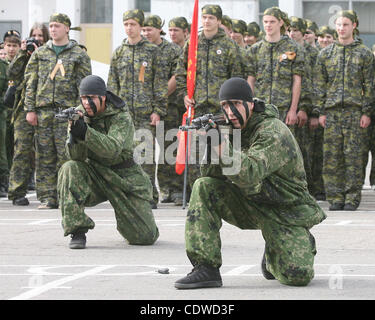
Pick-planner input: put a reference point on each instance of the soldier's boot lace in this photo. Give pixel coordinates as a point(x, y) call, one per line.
point(202, 276)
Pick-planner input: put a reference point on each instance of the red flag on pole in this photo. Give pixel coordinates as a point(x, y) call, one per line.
point(190, 84)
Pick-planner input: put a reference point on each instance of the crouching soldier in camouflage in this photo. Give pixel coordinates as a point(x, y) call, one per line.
point(269, 193)
point(101, 167)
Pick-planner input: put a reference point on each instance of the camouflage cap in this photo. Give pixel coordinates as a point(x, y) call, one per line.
point(299, 24)
point(10, 33)
point(253, 29)
point(178, 22)
point(136, 15)
point(226, 21)
point(154, 21)
point(327, 30)
point(311, 25)
point(60, 18)
point(213, 9)
point(239, 26)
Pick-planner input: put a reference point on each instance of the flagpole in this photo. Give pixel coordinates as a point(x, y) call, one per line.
point(186, 161)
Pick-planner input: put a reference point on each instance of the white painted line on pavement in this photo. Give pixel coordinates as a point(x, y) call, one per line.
point(51, 285)
point(239, 270)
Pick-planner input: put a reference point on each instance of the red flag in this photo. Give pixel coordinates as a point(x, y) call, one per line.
point(190, 84)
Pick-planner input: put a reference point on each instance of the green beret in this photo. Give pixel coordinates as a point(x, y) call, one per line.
point(298, 23)
point(239, 26)
point(60, 18)
point(213, 9)
point(154, 21)
point(226, 21)
point(136, 15)
point(178, 22)
point(311, 25)
point(253, 29)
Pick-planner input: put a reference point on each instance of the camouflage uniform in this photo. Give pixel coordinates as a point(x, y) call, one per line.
point(344, 80)
point(273, 68)
point(269, 193)
point(169, 181)
point(24, 156)
point(217, 60)
point(4, 170)
point(46, 96)
point(102, 168)
point(136, 75)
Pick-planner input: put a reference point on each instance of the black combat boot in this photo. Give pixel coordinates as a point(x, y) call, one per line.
point(268, 275)
point(336, 206)
point(350, 207)
point(21, 201)
point(202, 276)
point(78, 240)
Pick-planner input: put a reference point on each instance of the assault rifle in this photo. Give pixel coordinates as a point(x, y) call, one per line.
point(204, 122)
point(70, 114)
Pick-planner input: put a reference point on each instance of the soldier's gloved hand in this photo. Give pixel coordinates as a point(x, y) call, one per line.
point(215, 138)
point(78, 129)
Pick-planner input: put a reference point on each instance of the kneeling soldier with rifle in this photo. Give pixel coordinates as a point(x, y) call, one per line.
point(269, 193)
point(101, 168)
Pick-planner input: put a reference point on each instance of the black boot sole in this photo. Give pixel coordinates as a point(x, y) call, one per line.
point(197, 285)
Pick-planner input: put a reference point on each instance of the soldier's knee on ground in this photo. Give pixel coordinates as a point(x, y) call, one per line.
point(144, 239)
point(296, 276)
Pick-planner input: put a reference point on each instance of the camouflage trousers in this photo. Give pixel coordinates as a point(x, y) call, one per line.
point(343, 156)
point(372, 150)
point(169, 181)
point(4, 169)
point(50, 138)
point(23, 158)
point(143, 128)
point(302, 136)
point(316, 137)
point(86, 184)
point(289, 252)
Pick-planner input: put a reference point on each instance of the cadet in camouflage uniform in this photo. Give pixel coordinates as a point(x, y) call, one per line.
point(252, 33)
point(101, 168)
point(22, 170)
point(217, 60)
point(178, 29)
point(239, 30)
point(4, 170)
point(276, 68)
point(297, 32)
point(269, 193)
point(136, 76)
point(316, 131)
point(170, 183)
point(326, 36)
point(52, 77)
point(344, 82)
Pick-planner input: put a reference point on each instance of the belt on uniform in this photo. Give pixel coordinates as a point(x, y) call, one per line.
point(123, 165)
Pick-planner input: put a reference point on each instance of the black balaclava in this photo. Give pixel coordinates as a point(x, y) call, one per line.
point(236, 89)
point(93, 85)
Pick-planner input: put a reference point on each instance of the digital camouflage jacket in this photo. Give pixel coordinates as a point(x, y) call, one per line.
point(272, 173)
point(136, 75)
point(109, 142)
point(273, 65)
point(344, 77)
point(62, 90)
point(218, 59)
